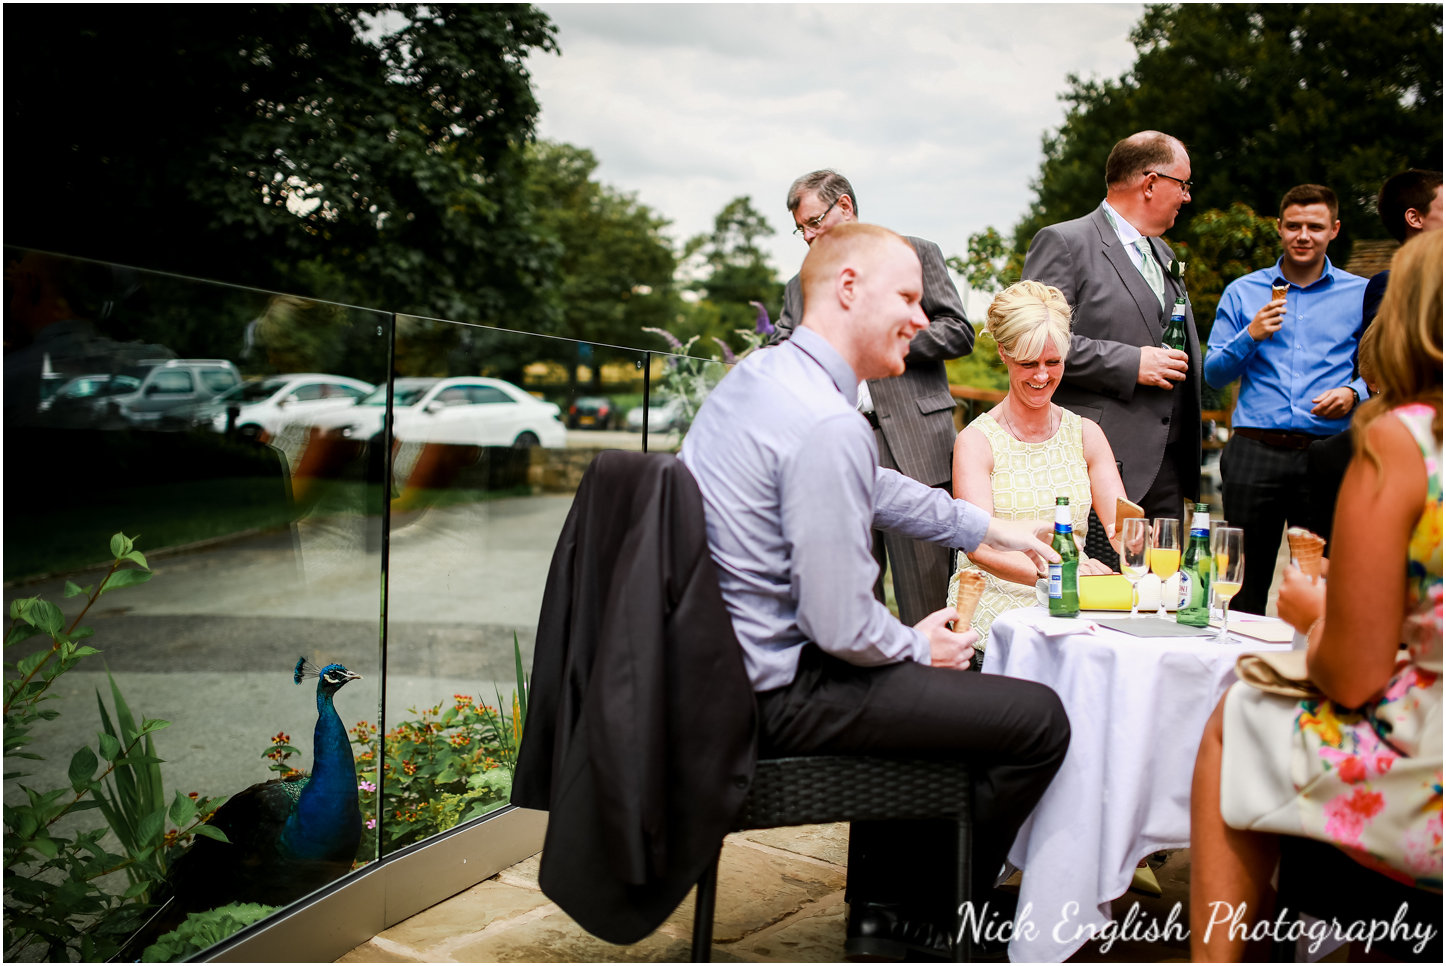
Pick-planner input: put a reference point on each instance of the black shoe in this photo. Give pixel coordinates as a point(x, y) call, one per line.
point(879, 932)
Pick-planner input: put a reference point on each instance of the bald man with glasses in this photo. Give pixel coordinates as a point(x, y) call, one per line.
point(1122, 281)
point(912, 414)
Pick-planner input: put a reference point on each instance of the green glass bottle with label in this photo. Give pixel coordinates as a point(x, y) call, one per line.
point(1063, 576)
point(1195, 572)
point(1174, 337)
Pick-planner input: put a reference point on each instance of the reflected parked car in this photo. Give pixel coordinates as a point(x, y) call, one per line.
point(591, 412)
point(86, 399)
point(258, 410)
point(664, 415)
point(462, 410)
point(171, 390)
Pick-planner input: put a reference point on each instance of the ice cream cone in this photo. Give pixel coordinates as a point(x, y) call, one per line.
point(1305, 550)
point(966, 597)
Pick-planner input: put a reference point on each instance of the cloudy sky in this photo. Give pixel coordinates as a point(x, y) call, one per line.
point(933, 111)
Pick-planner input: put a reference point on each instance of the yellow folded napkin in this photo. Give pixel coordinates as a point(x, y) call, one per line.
point(1104, 592)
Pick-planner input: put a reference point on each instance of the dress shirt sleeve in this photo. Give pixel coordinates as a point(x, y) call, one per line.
point(1231, 344)
point(827, 498)
point(908, 507)
point(1103, 366)
point(949, 334)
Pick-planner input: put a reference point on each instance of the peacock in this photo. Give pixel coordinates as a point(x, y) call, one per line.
point(287, 837)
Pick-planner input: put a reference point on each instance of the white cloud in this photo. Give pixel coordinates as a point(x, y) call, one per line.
point(934, 111)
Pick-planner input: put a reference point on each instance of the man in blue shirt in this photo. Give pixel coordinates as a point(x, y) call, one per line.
point(790, 506)
point(1289, 334)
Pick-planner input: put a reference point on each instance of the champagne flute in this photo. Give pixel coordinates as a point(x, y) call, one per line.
point(1135, 557)
point(1227, 551)
point(1165, 555)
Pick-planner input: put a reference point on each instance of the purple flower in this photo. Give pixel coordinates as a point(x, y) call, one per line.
point(672, 339)
point(728, 355)
point(367, 786)
point(371, 823)
point(764, 327)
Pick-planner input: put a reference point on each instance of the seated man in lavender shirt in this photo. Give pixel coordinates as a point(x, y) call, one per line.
point(790, 505)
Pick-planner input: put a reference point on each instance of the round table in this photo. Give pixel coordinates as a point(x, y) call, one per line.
point(1137, 707)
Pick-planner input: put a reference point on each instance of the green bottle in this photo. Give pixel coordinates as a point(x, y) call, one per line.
point(1195, 572)
point(1175, 332)
point(1063, 576)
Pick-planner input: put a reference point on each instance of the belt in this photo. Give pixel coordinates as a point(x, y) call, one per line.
point(873, 418)
point(1277, 437)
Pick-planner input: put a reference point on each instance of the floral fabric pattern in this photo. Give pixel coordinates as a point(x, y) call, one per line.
point(1369, 779)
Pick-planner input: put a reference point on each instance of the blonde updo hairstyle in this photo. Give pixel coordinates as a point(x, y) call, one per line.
point(1026, 316)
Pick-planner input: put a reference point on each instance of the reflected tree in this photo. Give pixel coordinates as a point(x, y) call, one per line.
point(369, 154)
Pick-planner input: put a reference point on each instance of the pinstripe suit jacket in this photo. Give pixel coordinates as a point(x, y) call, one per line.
point(915, 410)
point(1115, 313)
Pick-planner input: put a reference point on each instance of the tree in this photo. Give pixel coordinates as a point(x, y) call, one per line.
point(377, 145)
point(1266, 96)
point(736, 272)
point(613, 269)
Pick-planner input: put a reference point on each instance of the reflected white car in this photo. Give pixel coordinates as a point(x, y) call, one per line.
point(260, 409)
point(462, 410)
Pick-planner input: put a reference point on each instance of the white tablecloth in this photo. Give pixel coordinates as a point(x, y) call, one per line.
point(1137, 708)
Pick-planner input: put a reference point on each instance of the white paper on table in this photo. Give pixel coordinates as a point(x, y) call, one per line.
point(1063, 626)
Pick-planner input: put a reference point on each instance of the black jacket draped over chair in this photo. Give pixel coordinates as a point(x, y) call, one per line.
point(640, 734)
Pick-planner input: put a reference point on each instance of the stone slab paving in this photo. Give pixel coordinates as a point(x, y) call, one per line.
point(780, 900)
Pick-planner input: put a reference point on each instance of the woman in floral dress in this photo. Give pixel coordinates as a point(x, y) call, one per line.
point(1361, 767)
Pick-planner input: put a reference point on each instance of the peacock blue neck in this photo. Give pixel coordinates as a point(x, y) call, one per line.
point(326, 816)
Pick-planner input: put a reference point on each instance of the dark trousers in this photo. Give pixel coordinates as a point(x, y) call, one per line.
point(1265, 488)
point(1015, 734)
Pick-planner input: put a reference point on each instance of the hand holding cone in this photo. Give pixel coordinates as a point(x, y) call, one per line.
point(966, 597)
point(1305, 549)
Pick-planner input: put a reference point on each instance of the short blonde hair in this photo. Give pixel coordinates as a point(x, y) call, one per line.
point(1027, 315)
point(838, 245)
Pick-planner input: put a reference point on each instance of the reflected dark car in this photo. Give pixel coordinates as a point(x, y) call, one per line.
point(592, 412)
point(85, 399)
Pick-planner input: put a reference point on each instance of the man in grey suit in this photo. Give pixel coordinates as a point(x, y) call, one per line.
point(1122, 282)
point(912, 414)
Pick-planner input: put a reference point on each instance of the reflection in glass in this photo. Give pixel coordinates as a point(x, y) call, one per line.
point(181, 413)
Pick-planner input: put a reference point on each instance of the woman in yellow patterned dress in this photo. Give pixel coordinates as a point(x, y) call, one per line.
point(1359, 768)
point(1015, 459)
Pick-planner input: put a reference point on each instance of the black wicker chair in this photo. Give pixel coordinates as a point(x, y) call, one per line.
point(813, 790)
point(1321, 881)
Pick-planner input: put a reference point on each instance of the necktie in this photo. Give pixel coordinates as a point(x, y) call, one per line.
point(1150, 269)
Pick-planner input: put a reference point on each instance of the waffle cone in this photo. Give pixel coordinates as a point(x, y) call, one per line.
point(1305, 549)
point(966, 596)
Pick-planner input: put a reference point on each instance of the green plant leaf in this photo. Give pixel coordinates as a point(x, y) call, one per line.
point(183, 811)
point(136, 557)
point(120, 545)
point(109, 747)
point(82, 767)
point(125, 578)
point(151, 827)
point(72, 589)
point(211, 832)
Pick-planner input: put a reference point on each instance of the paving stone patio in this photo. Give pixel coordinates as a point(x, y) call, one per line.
point(780, 899)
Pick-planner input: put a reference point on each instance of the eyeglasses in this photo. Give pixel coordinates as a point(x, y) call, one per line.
point(1184, 185)
point(813, 223)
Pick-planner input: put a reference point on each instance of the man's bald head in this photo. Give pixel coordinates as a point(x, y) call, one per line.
point(862, 287)
point(853, 244)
